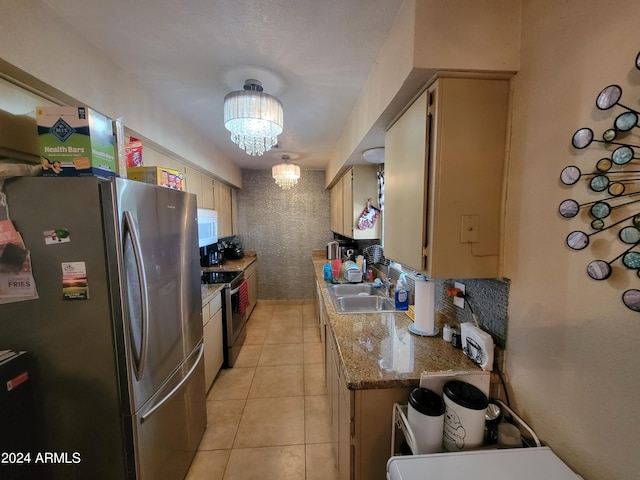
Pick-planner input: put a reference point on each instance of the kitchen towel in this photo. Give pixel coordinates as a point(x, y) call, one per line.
point(243, 297)
point(425, 297)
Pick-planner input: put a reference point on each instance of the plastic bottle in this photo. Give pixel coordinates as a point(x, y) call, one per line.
point(402, 293)
point(328, 276)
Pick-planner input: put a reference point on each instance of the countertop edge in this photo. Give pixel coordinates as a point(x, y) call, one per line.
point(209, 291)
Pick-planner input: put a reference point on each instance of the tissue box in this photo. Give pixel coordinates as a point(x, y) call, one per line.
point(75, 141)
point(164, 177)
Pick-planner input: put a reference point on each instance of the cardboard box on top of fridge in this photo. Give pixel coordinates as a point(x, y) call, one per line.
point(76, 141)
point(165, 177)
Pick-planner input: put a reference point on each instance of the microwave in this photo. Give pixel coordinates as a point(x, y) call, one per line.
point(207, 227)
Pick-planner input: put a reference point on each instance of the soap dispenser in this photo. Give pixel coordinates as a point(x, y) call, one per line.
point(402, 293)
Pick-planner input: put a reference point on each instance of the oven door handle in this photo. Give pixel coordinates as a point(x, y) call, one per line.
point(234, 291)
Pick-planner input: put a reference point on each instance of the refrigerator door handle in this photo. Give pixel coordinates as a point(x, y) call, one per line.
point(129, 229)
point(175, 389)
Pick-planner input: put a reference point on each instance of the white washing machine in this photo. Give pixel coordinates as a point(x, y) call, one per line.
point(509, 464)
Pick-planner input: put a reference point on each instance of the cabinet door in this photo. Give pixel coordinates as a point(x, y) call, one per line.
point(349, 197)
point(337, 223)
point(322, 319)
point(345, 422)
point(218, 346)
point(364, 188)
point(252, 285)
point(194, 183)
point(444, 163)
point(213, 346)
point(405, 176)
point(347, 204)
point(467, 157)
point(207, 192)
point(334, 398)
point(222, 204)
point(234, 211)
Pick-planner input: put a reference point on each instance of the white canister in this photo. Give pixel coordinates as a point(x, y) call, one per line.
point(425, 414)
point(464, 418)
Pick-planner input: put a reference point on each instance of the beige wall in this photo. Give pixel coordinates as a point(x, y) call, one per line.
point(572, 358)
point(27, 35)
point(427, 35)
point(572, 348)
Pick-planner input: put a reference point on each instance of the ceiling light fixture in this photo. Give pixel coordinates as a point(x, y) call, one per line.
point(253, 117)
point(374, 155)
point(286, 174)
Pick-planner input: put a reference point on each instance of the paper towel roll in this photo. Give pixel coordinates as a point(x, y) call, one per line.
point(425, 306)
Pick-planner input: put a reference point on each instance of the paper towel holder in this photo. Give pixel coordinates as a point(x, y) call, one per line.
point(415, 331)
point(412, 328)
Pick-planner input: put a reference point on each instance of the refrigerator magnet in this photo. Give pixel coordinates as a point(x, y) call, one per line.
point(74, 281)
point(59, 235)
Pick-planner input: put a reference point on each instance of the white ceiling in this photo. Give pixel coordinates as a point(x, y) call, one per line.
point(314, 55)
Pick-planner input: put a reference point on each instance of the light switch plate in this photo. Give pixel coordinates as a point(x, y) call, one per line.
point(459, 301)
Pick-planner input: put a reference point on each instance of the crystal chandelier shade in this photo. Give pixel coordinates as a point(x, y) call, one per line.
point(253, 117)
point(286, 174)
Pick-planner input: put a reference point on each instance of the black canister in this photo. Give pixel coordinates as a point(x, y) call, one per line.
point(456, 339)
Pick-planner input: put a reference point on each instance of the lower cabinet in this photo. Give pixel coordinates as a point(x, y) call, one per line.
point(212, 335)
point(251, 275)
point(345, 438)
point(361, 420)
point(372, 430)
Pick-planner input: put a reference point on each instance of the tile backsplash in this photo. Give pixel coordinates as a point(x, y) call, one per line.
point(488, 297)
point(283, 227)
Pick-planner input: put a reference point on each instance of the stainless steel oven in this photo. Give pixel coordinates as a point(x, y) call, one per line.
point(234, 314)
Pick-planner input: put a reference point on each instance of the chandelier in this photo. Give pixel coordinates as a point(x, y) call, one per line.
point(254, 118)
point(286, 174)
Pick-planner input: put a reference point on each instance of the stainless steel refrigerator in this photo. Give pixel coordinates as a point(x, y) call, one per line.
point(119, 374)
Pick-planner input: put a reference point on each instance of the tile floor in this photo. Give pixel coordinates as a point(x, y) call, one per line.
point(268, 416)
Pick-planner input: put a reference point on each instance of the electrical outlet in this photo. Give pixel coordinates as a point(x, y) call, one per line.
point(459, 301)
point(469, 226)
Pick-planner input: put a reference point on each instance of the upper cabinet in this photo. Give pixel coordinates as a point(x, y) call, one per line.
point(215, 195)
point(337, 215)
point(225, 203)
point(206, 183)
point(349, 198)
point(444, 169)
point(193, 183)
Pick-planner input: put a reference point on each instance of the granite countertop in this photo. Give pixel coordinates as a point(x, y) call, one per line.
point(378, 351)
point(242, 264)
point(209, 291)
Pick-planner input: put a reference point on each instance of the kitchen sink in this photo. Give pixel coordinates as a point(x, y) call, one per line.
point(359, 298)
point(341, 290)
point(364, 304)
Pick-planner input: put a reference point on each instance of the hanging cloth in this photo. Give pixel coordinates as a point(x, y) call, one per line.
point(368, 217)
point(381, 189)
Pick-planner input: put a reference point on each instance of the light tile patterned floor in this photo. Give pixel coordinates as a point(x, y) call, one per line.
point(269, 416)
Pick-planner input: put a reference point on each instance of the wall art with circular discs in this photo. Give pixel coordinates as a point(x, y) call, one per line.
point(615, 181)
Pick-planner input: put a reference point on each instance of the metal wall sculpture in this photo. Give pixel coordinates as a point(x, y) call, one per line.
point(615, 179)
